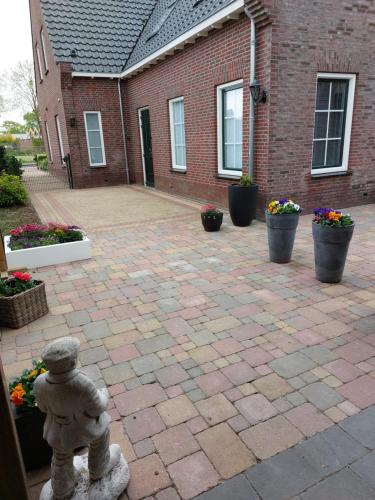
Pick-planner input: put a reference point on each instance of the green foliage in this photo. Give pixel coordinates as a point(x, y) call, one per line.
point(11, 127)
point(9, 163)
point(7, 139)
point(21, 389)
point(31, 120)
point(12, 191)
point(246, 181)
point(43, 165)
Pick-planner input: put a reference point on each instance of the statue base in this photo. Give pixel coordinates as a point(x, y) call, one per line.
point(108, 487)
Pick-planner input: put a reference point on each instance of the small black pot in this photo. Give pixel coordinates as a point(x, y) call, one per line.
point(242, 204)
point(331, 246)
point(281, 231)
point(212, 223)
point(35, 450)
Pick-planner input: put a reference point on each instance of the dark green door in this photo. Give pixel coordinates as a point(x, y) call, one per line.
point(147, 146)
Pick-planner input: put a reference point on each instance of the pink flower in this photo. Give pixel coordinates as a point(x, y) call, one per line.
point(22, 276)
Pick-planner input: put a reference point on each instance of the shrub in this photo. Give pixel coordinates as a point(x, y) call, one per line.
point(9, 164)
point(43, 165)
point(12, 191)
point(246, 181)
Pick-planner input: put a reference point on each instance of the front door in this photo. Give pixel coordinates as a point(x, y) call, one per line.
point(144, 116)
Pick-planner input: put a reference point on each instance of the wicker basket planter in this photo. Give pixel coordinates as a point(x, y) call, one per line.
point(23, 308)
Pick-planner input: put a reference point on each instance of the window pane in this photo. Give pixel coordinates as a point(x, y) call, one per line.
point(318, 154)
point(229, 153)
point(96, 155)
point(178, 116)
point(229, 131)
point(338, 95)
point(322, 96)
point(336, 121)
point(320, 125)
point(179, 135)
point(180, 156)
point(334, 153)
point(232, 123)
point(95, 139)
point(238, 164)
point(92, 120)
point(233, 103)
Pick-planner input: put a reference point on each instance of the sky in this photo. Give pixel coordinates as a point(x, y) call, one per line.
point(15, 41)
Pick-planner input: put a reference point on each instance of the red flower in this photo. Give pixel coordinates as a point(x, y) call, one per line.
point(22, 276)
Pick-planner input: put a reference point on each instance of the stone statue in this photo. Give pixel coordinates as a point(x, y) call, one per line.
point(76, 418)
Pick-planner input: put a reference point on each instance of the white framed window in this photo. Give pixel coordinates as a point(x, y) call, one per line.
point(39, 62)
point(94, 137)
point(59, 137)
point(229, 128)
point(44, 51)
point(48, 141)
point(333, 122)
point(177, 126)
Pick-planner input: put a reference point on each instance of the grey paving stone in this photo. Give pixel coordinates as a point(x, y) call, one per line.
point(92, 371)
point(203, 337)
point(365, 325)
point(309, 378)
point(319, 354)
point(195, 372)
point(365, 468)
point(147, 378)
point(90, 356)
point(297, 382)
point(292, 365)
point(25, 339)
point(295, 398)
point(189, 363)
point(132, 383)
point(236, 488)
point(196, 395)
point(330, 450)
point(171, 375)
point(155, 344)
point(344, 485)
point(96, 330)
point(321, 395)
point(362, 427)
point(146, 364)
point(226, 301)
point(117, 373)
point(77, 318)
point(189, 385)
point(283, 476)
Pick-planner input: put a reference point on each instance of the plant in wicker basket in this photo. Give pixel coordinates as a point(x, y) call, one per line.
point(22, 300)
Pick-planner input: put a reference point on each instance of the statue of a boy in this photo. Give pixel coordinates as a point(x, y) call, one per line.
point(76, 417)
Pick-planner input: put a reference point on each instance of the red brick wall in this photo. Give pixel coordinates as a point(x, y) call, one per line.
point(332, 36)
point(194, 73)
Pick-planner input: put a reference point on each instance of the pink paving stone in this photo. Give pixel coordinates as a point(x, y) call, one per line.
point(114, 414)
point(175, 349)
point(139, 399)
point(233, 394)
point(343, 370)
point(175, 443)
point(365, 366)
point(177, 327)
point(299, 322)
point(247, 332)
point(277, 353)
point(123, 353)
point(197, 424)
point(361, 392)
point(213, 383)
point(174, 391)
point(263, 370)
point(227, 346)
point(256, 356)
point(308, 419)
point(239, 373)
point(171, 375)
point(255, 408)
point(245, 311)
point(190, 313)
point(116, 389)
point(101, 314)
point(355, 351)
point(309, 337)
point(193, 475)
point(143, 424)
point(148, 476)
point(124, 311)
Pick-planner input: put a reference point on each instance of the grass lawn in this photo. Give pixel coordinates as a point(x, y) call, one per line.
point(17, 216)
point(25, 159)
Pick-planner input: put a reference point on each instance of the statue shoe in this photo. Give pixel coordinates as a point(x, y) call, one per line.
point(114, 459)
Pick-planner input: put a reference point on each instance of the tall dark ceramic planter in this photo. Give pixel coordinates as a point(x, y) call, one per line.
point(281, 231)
point(242, 204)
point(212, 223)
point(35, 450)
point(331, 246)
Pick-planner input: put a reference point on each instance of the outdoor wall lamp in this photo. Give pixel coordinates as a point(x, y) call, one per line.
point(257, 93)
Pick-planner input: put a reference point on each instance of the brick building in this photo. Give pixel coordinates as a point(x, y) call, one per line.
point(157, 92)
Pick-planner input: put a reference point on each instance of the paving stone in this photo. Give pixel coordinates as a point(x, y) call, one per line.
point(92, 371)
point(123, 353)
point(168, 494)
point(193, 475)
point(365, 325)
point(176, 410)
point(188, 385)
point(204, 354)
point(296, 398)
point(26, 339)
point(216, 409)
point(152, 468)
point(77, 318)
point(355, 352)
point(272, 386)
point(175, 443)
point(202, 337)
point(97, 330)
point(239, 373)
point(271, 437)
point(322, 396)
point(155, 344)
point(238, 423)
point(178, 327)
point(292, 365)
point(308, 419)
point(171, 375)
point(196, 425)
point(144, 448)
point(365, 468)
point(361, 427)
point(213, 383)
point(344, 485)
point(225, 450)
point(256, 356)
point(143, 424)
point(361, 391)
point(117, 373)
point(139, 398)
point(227, 346)
point(283, 476)
point(222, 324)
point(255, 408)
point(236, 488)
point(119, 437)
point(319, 354)
point(91, 356)
point(196, 395)
point(146, 364)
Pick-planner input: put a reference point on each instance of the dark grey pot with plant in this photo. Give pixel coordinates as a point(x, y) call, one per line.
point(332, 233)
point(282, 217)
point(242, 201)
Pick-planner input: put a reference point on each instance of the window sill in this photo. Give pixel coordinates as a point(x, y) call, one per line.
point(332, 174)
point(178, 170)
point(98, 166)
point(228, 177)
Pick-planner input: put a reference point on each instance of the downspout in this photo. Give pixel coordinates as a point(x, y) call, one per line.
point(252, 104)
point(123, 131)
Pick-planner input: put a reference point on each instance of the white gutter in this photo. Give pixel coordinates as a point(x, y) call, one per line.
point(232, 11)
point(252, 104)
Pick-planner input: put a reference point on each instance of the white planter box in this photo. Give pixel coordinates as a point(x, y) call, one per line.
point(31, 258)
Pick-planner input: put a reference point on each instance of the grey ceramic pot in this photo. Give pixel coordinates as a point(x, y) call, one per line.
point(331, 246)
point(281, 231)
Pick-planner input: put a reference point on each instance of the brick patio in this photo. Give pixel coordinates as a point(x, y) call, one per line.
point(214, 358)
